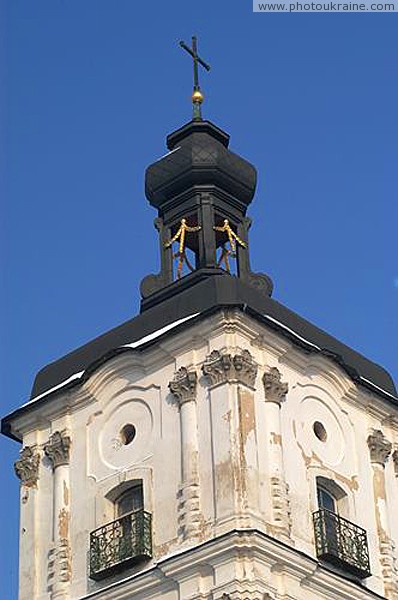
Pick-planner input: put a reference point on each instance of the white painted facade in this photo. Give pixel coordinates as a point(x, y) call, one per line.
point(229, 462)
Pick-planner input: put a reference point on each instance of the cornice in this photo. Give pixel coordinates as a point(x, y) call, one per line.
point(275, 554)
point(320, 367)
point(228, 321)
point(377, 408)
point(114, 370)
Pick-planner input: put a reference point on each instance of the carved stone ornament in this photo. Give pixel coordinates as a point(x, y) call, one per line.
point(183, 386)
point(57, 449)
point(275, 390)
point(379, 447)
point(395, 461)
point(27, 466)
point(221, 367)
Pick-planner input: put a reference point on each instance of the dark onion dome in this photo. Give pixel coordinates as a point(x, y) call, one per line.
point(199, 156)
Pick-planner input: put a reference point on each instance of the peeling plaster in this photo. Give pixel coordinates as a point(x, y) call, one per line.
point(63, 523)
point(247, 418)
point(276, 438)
point(66, 494)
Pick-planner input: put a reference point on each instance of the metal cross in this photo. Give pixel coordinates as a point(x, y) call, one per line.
point(197, 96)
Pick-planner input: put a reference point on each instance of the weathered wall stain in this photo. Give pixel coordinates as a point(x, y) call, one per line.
point(66, 493)
point(247, 419)
point(63, 523)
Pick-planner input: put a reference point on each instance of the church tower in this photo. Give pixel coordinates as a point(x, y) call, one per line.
point(217, 446)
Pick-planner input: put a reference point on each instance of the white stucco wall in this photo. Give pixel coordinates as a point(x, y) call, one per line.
point(236, 459)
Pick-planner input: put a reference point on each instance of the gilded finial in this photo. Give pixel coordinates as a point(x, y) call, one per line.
point(197, 96)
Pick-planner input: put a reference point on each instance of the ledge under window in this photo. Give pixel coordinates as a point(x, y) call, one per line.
point(342, 543)
point(120, 544)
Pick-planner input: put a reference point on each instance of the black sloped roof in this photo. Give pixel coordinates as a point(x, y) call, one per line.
point(201, 297)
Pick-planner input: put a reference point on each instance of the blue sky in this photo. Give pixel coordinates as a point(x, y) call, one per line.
point(92, 87)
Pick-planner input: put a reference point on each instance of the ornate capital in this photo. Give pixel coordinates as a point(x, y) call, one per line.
point(183, 386)
point(27, 466)
point(245, 368)
point(275, 390)
point(379, 447)
point(57, 449)
point(221, 367)
point(395, 461)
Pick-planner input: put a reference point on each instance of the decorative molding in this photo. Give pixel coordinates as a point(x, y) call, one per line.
point(388, 566)
point(221, 367)
point(281, 504)
point(190, 520)
point(57, 449)
point(247, 594)
point(59, 568)
point(275, 390)
point(64, 560)
point(184, 384)
point(379, 447)
point(27, 466)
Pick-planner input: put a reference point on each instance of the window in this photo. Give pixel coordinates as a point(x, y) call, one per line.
point(125, 541)
point(130, 500)
point(326, 499)
point(338, 541)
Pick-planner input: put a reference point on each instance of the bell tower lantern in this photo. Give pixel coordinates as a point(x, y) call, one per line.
point(202, 191)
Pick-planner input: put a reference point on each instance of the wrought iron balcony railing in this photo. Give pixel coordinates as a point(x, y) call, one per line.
point(341, 543)
point(120, 544)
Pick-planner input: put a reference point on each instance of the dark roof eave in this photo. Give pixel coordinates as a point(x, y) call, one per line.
point(307, 345)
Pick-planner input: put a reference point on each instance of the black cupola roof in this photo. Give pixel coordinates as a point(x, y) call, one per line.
point(199, 156)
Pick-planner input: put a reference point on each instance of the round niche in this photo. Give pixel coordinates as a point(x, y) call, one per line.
point(126, 436)
point(319, 432)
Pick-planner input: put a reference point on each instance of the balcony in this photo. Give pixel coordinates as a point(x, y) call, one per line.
point(120, 544)
point(341, 543)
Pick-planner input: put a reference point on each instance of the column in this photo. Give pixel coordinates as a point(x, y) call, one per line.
point(274, 394)
point(57, 450)
point(27, 470)
point(183, 387)
point(380, 450)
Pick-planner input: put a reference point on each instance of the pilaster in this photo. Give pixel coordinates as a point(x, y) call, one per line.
point(231, 380)
point(380, 451)
point(27, 470)
point(274, 395)
point(57, 451)
point(183, 387)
